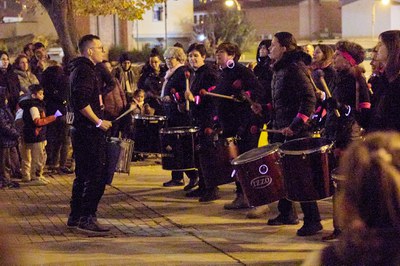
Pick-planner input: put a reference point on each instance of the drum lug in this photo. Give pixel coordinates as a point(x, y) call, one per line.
point(304, 156)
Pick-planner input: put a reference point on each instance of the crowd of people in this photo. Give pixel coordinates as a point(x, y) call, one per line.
point(298, 91)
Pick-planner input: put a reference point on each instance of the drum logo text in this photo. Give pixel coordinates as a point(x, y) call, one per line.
point(261, 182)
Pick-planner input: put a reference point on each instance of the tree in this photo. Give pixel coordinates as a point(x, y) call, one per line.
point(63, 12)
point(221, 25)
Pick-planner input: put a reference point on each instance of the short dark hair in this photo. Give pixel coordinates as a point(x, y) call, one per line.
point(198, 47)
point(27, 47)
point(85, 40)
point(38, 45)
point(354, 49)
point(35, 88)
point(230, 49)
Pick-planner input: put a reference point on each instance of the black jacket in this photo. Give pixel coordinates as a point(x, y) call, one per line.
point(8, 133)
point(292, 93)
point(203, 78)
point(84, 91)
point(10, 80)
point(56, 89)
point(150, 81)
point(236, 117)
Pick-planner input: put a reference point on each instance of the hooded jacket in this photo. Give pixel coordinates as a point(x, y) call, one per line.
point(84, 91)
point(293, 97)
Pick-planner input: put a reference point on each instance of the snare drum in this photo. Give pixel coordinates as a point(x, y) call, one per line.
point(146, 133)
point(260, 175)
point(215, 161)
point(119, 155)
point(306, 168)
point(178, 148)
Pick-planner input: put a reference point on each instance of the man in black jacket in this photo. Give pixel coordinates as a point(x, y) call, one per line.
point(88, 137)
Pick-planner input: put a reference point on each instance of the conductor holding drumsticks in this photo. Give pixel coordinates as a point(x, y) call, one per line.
point(293, 101)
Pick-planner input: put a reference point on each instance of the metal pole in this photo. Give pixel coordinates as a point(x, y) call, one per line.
point(165, 24)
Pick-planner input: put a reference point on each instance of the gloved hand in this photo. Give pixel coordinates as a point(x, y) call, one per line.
point(58, 113)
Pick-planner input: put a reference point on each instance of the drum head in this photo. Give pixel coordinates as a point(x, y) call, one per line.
point(179, 130)
point(255, 154)
point(150, 117)
point(305, 146)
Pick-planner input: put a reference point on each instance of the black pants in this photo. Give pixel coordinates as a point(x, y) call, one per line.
point(57, 142)
point(90, 157)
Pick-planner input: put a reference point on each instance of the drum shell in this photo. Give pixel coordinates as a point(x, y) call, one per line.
point(261, 178)
point(337, 179)
point(119, 155)
point(306, 168)
point(178, 148)
point(215, 161)
point(146, 130)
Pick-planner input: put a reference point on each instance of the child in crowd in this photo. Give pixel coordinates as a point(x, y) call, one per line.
point(139, 107)
point(33, 151)
point(8, 139)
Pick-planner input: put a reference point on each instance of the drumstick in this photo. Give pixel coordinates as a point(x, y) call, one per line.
point(187, 75)
point(124, 114)
point(279, 131)
point(326, 89)
point(204, 92)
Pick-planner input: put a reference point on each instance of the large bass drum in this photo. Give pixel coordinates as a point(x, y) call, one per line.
point(260, 175)
point(306, 164)
point(178, 145)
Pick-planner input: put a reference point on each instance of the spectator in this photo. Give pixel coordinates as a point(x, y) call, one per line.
point(8, 139)
point(28, 50)
point(33, 150)
point(25, 76)
point(39, 62)
point(127, 75)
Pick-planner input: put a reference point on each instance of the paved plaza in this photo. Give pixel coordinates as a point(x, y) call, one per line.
point(150, 225)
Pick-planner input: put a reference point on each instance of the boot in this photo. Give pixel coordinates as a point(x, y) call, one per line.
point(238, 203)
point(309, 229)
point(211, 194)
point(192, 183)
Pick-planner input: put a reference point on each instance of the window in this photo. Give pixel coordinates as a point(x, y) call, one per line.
point(158, 11)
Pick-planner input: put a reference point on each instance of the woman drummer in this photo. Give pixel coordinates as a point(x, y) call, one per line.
point(203, 76)
point(236, 118)
point(172, 91)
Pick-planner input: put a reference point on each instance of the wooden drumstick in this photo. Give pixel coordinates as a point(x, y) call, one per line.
point(326, 89)
point(279, 131)
point(204, 92)
point(187, 75)
point(124, 114)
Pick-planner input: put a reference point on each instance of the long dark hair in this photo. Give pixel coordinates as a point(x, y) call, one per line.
point(286, 39)
point(391, 39)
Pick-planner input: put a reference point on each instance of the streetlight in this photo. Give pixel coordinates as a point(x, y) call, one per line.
point(231, 3)
point(383, 2)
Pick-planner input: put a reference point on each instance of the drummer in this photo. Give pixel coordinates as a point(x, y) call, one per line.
point(172, 93)
point(202, 109)
point(236, 118)
point(293, 101)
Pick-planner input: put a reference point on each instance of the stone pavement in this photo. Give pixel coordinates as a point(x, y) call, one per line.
point(150, 225)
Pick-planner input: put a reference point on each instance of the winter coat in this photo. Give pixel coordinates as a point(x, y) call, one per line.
point(264, 73)
point(131, 76)
point(10, 80)
point(293, 97)
point(391, 106)
point(114, 101)
point(56, 89)
point(84, 91)
point(25, 80)
point(35, 130)
point(150, 81)
point(8, 133)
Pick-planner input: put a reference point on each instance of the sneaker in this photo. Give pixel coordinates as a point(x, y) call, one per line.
point(173, 183)
point(65, 170)
point(198, 192)
point(192, 183)
point(257, 212)
point(334, 236)
point(238, 203)
point(73, 221)
point(281, 220)
point(210, 195)
point(87, 224)
point(309, 229)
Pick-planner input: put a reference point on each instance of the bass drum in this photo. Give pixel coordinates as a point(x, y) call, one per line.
point(306, 164)
point(178, 148)
point(260, 175)
point(215, 161)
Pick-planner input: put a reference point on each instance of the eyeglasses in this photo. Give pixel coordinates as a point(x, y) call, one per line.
point(99, 47)
point(169, 58)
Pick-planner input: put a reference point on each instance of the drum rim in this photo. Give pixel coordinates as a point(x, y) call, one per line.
point(322, 149)
point(150, 117)
point(179, 130)
point(237, 162)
